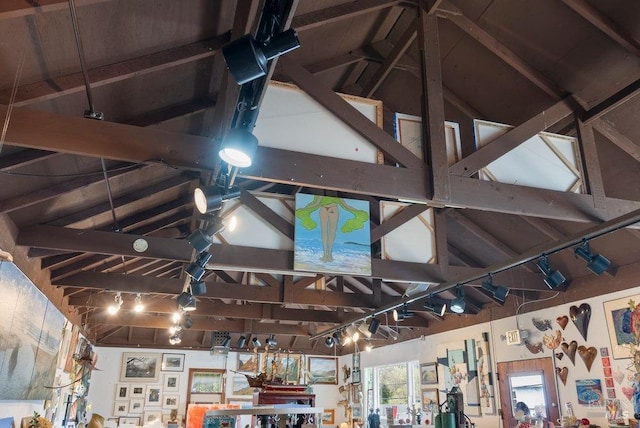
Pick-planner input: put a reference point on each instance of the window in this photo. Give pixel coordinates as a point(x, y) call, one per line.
point(395, 386)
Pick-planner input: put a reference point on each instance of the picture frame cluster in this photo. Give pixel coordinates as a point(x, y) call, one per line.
point(144, 394)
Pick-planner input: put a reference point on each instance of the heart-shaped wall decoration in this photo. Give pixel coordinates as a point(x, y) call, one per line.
point(559, 355)
point(628, 392)
point(588, 355)
point(570, 350)
point(552, 341)
point(580, 315)
point(563, 321)
point(618, 376)
point(563, 372)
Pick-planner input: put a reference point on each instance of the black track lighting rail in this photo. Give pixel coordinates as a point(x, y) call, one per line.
point(534, 253)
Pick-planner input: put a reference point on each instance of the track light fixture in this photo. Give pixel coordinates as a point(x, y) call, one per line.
point(256, 342)
point(200, 241)
point(553, 278)
point(402, 314)
point(226, 342)
point(458, 304)
point(498, 292)
point(337, 337)
point(353, 333)
point(238, 148)
point(364, 330)
point(241, 343)
point(596, 263)
point(139, 307)
point(210, 198)
point(115, 307)
point(187, 322)
point(374, 325)
point(198, 288)
point(247, 58)
point(177, 316)
point(271, 341)
point(436, 306)
point(198, 267)
point(368, 347)
point(186, 301)
point(329, 342)
point(175, 338)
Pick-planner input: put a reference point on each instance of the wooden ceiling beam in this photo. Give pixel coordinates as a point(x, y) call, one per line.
point(391, 60)
point(24, 158)
point(338, 13)
point(145, 145)
point(17, 8)
point(267, 214)
point(166, 114)
point(609, 131)
point(112, 73)
point(401, 217)
point(605, 24)
point(68, 186)
point(591, 164)
point(333, 63)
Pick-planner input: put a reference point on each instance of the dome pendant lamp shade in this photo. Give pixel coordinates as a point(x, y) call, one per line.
point(238, 148)
point(247, 58)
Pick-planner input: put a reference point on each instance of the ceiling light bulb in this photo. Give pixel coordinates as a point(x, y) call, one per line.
point(139, 307)
point(176, 316)
point(233, 224)
point(395, 315)
point(368, 347)
point(113, 309)
point(172, 329)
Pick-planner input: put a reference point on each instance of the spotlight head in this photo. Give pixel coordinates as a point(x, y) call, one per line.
point(337, 337)
point(498, 292)
point(175, 339)
point(207, 199)
point(271, 341)
point(242, 342)
point(328, 342)
point(198, 288)
point(139, 307)
point(187, 322)
point(374, 325)
point(176, 316)
point(364, 329)
point(596, 263)
point(198, 267)
point(458, 304)
point(238, 148)
point(247, 58)
point(553, 278)
point(226, 342)
point(186, 301)
point(114, 308)
point(256, 342)
point(437, 308)
point(396, 315)
point(368, 347)
point(199, 241)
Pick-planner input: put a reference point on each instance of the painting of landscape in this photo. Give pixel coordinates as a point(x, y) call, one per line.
point(323, 370)
point(30, 335)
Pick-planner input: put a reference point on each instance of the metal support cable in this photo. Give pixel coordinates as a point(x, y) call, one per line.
point(83, 63)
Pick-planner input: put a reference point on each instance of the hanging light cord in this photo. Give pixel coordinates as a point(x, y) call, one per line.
point(14, 92)
point(83, 63)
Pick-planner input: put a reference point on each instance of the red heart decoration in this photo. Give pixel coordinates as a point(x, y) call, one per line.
point(563, 321)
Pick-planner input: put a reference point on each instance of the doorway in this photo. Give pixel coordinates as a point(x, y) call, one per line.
point(532, 382)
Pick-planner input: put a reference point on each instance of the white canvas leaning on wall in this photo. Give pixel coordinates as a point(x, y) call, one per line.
point(545, 161)
point(408, 132)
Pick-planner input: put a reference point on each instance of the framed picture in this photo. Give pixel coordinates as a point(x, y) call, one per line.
point(152, 416)
point(139, 367)
point(129, 421)
point(356, 411)
point(122, 391)
point(323, 370)
point(430, 399)
point(172, 362)
point(206, 386)
point(170, 401)
point(287, 367)
point(137, 391)
point(153, 396)
point(248, 362)
point(429, 374)
point(356, 361)
point(171, 382)
point(356, 393)
point(355, 376)
point(136, 405)
point(241, 386)
point(328, 417)
point(617, 314)
point(120, 408)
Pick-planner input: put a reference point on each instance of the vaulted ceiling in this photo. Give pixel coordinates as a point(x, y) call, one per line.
point(157, 74)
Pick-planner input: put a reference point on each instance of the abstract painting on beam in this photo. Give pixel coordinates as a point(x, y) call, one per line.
point(30, 336)
point(332, 235)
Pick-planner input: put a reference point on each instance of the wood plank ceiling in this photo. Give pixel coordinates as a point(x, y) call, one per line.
point(157, 74)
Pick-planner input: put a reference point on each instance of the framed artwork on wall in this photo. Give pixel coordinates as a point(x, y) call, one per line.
point(429, 374)
point(137, 391)
point(248, 362)
point(170, 401)
point(129, 421)
point(328, 417)
point(206, 386)
point(618, 315)
point(122, 391)
point(152, 416)
point(120, 408)
point(136, 405)
point(355, 376)
point(171, 382)
point(430, 399)
point(172, 362)
point(139, 367)
point(323, 370)
point(153, 396)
